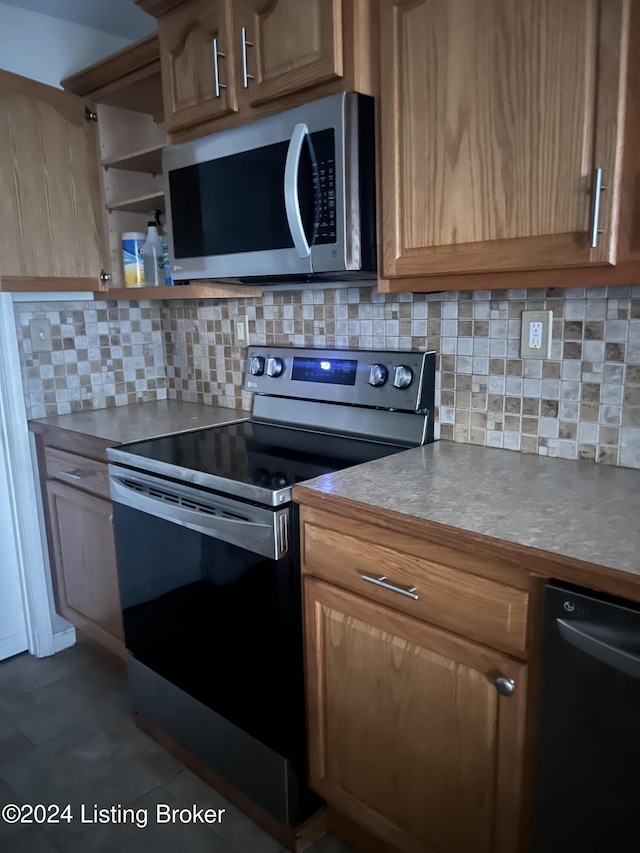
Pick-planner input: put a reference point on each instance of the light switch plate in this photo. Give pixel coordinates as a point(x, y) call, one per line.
point(40, 331)
point(240, 330)
point(535, 334)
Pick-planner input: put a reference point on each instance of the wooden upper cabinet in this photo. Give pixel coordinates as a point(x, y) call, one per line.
point(408, 734)
point(198, 67)
point(50, 191)
point(495, 115)
point(288, 46)
point(273, 55)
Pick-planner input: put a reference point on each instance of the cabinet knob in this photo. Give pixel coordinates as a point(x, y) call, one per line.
point(505, 686)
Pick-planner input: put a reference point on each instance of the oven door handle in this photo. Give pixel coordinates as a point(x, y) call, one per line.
point(268, 538)
point(291, 197)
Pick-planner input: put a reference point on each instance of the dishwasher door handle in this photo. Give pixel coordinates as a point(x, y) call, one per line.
point(613, 656)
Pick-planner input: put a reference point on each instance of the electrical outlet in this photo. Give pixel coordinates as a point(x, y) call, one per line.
point(240, 331)
point(40, 331)
point(535, 335)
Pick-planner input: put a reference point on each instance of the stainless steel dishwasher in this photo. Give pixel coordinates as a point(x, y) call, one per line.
point(587, 794)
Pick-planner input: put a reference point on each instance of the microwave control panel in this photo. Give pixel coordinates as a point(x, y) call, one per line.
point(324, 182)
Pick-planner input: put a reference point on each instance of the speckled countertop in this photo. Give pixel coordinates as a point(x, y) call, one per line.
point(573, 509)
point(122, 424)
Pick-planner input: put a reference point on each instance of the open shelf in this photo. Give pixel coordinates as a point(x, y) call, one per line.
point(140, 204)
point(200, 290)
point(145, 160)
point(130, 79)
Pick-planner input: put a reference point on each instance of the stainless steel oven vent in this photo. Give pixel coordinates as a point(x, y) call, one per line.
point(179, 500)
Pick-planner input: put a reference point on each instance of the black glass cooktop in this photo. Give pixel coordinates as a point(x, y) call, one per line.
point(256, 454)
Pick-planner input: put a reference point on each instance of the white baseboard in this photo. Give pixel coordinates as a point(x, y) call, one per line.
point(15, 645)
point(64, 639)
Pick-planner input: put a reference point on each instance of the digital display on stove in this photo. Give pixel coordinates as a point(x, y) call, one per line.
point(334, 371)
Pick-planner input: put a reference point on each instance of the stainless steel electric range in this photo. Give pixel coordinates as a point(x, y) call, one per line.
point(208, 555)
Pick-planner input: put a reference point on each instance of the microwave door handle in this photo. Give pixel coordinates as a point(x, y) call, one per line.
point(291, 197)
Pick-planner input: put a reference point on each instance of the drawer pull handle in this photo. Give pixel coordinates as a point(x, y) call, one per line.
point(381, 580)
point(598, 189)
point(245, 70)
point(71, 475)
point(216, 69)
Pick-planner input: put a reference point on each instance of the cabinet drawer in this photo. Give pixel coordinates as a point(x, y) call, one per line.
point(87, 474)
point(476, 607)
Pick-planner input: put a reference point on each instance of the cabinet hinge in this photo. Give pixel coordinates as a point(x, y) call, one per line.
point(90, 115)
point(105, 278)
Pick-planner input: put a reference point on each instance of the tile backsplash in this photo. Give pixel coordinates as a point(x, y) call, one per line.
point(104, 354)
point(582, 403)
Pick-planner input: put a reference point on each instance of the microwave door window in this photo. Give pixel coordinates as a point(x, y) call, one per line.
point(235, 204)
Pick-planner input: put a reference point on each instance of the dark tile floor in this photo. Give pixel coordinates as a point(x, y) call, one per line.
point(67, 736)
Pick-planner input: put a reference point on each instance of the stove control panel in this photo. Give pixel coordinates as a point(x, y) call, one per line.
point(403, 381)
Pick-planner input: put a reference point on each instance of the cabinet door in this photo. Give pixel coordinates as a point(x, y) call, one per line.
point(51, 210)
point(85, 564)
point(408, 734)
point(495, 115)
point(293, 45)
point(196, 54)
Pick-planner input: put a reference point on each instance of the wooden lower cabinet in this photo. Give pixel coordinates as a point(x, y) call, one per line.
point(408, 734)
point(84, 562)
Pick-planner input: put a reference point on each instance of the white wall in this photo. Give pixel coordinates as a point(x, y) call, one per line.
point(48, 49)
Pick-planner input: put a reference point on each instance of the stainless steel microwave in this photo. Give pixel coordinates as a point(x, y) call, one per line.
point(285, 199)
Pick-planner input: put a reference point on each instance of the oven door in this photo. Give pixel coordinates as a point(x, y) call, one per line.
point(211, 601)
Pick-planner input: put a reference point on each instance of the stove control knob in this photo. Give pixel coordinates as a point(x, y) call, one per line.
point(403, 376)
point(275, 366)
point(256, 365)
point(377, 375)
